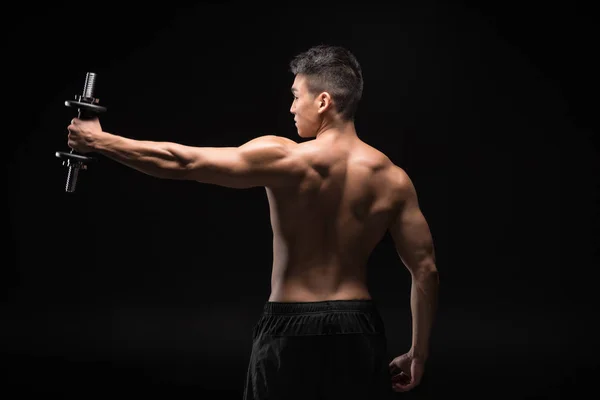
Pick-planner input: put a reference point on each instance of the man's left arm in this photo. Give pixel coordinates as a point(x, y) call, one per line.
point(268, 161)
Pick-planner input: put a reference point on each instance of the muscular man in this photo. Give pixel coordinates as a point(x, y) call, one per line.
point(331, 200)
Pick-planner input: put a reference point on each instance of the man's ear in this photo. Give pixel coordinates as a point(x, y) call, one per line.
point(324, 102)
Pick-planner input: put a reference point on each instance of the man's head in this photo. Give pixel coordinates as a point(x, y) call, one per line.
point(328, 83)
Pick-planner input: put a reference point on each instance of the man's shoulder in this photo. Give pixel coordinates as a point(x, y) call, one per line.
point(274, 139)
point(398, 175)
point(392, 172)
point(396, 178)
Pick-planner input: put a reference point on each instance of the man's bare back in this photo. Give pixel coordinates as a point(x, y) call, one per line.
point(325, 229)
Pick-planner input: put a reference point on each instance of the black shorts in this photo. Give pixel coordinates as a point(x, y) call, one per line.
point(319, 350)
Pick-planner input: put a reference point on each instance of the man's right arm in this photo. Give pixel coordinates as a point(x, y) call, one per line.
point(414, 244)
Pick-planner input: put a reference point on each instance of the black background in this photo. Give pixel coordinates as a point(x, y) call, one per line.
point(139, 286)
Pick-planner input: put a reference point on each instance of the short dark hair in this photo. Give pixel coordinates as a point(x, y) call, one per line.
point(333, 69)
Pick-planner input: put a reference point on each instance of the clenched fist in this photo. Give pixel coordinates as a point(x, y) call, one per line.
point(406, 372)
point(83, 134)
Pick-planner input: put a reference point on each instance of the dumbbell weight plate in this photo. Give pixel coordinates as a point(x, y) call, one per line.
point(85, 106)
point(73, 156)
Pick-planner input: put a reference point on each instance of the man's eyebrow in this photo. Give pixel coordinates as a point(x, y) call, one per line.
point(294, 90)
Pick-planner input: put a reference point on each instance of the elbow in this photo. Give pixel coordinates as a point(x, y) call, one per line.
point(178, 164)
point(427, 280)
point(426, 271)
point(182, 169)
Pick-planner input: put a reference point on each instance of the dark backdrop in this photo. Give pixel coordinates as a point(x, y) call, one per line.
point(143, 286)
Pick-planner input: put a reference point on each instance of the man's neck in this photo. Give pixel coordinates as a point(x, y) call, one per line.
point(337, 129)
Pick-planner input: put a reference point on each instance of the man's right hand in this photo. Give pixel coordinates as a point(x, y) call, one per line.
point(406, 372)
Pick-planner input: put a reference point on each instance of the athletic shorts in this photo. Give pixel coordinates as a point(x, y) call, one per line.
point(319, 350)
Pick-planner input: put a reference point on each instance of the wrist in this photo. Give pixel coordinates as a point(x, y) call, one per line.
point(418, 354)
point(101, 141)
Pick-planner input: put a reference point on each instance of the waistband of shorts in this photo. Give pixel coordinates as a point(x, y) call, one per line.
point(299, 307)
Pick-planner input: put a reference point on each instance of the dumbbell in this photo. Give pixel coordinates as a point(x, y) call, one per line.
point(88, 108)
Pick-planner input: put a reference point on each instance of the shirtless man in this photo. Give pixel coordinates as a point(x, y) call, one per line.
point(331, 201)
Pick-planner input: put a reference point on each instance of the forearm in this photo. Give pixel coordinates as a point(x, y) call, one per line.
point(423, 302)
point(159, 159)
